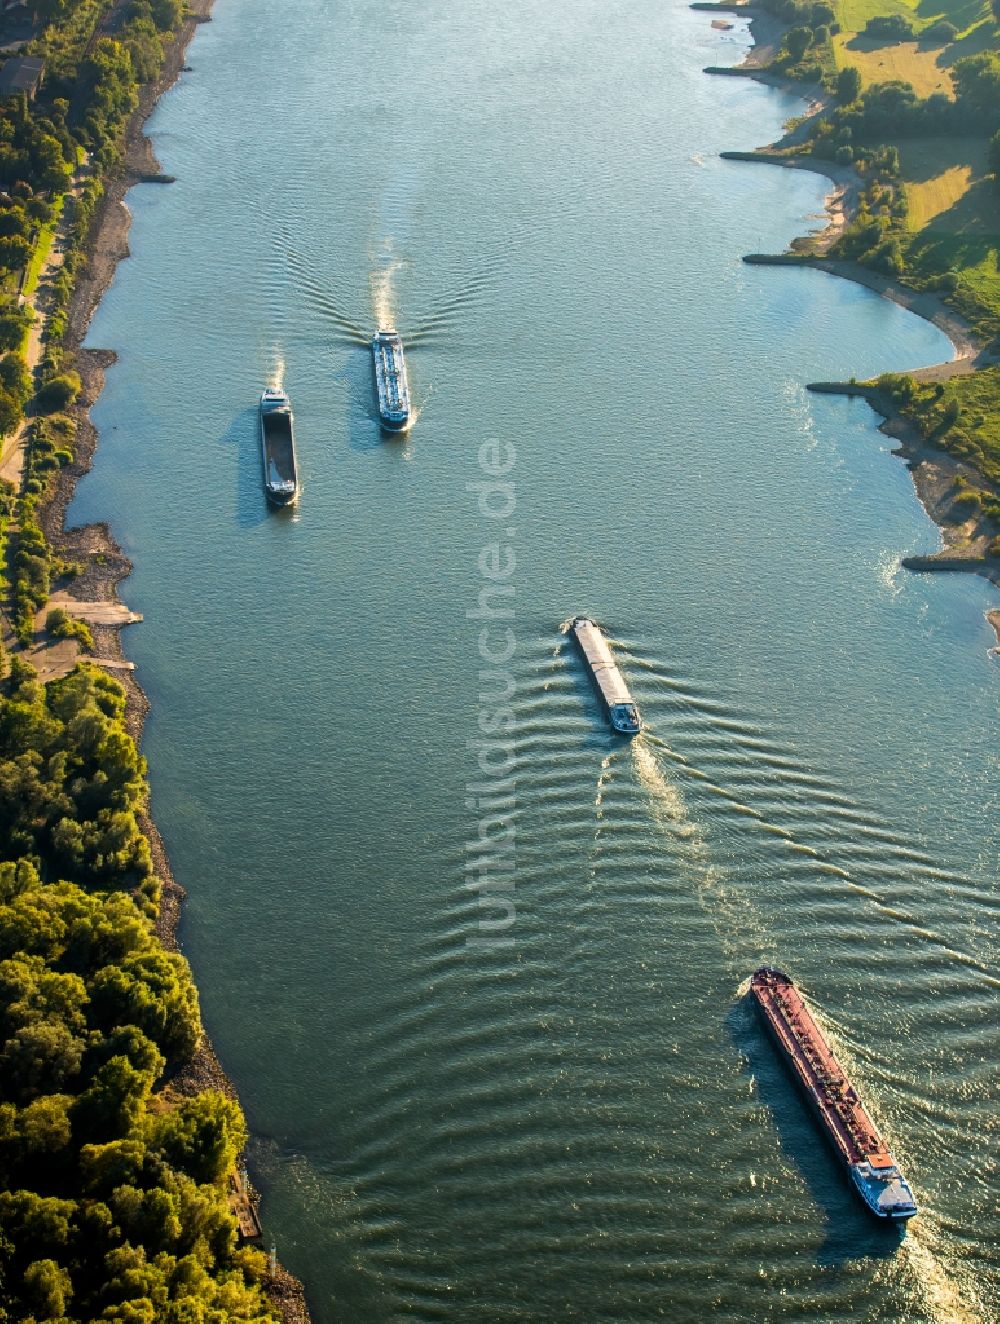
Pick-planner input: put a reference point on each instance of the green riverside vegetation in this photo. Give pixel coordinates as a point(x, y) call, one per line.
point(915, 93)
point(56, 154)
point(113, 1173)
point(112, 1186)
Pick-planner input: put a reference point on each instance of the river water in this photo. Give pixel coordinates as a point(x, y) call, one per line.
point(536, 1093)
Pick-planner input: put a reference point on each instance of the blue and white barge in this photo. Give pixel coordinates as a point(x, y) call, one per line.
point(390, 380)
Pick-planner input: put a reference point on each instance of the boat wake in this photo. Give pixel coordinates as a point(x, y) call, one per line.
point(319, 294)
point(736, 920)
point(275, 373)
point(381, 280)
point(947, 1298)
point(750, 781)
point(446, 311)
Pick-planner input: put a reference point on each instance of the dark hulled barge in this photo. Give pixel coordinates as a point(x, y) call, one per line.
point(844, 1118)
point(277, 448)
point(621, 709)
point(390, 380)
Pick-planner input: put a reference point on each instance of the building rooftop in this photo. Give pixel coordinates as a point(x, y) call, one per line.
point(23, 73)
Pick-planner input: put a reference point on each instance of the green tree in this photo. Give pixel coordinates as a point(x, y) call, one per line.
point(15, 377)
point(10, 414)
point(848, 85)
point(14, 323)
point(950, 415)
point(59, 391)
point(14, 221)
point(977, 85)
point(14, 252)
point(202, 1136)
point(44, 1126)
point(797, 42)
point(167, 14)
point(48, 11)
point(47, 1289)
point(114, 1103)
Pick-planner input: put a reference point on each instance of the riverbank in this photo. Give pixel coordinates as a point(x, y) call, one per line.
point(937, 475)
point(103, 565)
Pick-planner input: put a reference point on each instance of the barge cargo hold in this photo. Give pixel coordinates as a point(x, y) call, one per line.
point(390, 380)
point(622, 711)
point(844, 1118)
point(277, 448)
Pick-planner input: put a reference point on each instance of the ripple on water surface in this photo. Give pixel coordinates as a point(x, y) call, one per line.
point(583, 1122)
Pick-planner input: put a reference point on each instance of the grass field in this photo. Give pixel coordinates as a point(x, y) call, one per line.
point(965, 14)
point(937, 198)
point(907, 61)
point(947, 187)
point(854, 14)
point(953, 207)
point(954, 216)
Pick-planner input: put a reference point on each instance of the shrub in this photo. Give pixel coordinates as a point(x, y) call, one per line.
point(810, 73)
point(940, 33)
point(167, 13)
point(888, 257)
point(797, 42)
point(890, 27)
point(10, 413)
point(898, 386)
point(15, 377)
point(14, 323)
point(59, 391)
point(967, 499)
point(61, 625)
point(951, 414)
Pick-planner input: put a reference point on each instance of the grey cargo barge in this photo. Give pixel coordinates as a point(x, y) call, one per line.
point(622, 711)
point(277, 448)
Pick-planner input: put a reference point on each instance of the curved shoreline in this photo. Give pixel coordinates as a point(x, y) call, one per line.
point(934, 471)
point(104, 564)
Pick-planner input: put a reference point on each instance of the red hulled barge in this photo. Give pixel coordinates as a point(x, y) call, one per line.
point(851, 1131)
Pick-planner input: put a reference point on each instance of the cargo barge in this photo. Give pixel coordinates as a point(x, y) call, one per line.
point(390, 380)
point(621, 709)
point(844, 1118)
point(277, 448)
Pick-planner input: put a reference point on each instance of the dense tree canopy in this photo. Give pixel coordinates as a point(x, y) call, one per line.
point(112, 1190)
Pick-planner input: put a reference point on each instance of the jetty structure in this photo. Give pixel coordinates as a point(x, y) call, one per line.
point(843, 1117)
point(621, 708)
point(390, 380)
point(277, 448)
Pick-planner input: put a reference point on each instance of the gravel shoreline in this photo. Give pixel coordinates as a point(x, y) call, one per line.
point(104, 565)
